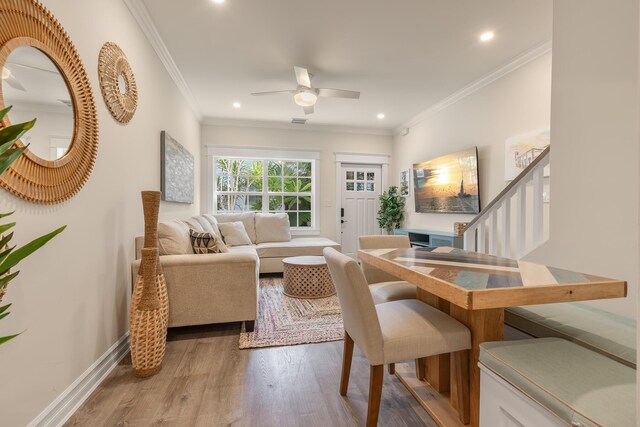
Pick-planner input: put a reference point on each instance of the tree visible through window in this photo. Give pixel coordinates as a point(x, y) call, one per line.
point(240, 187)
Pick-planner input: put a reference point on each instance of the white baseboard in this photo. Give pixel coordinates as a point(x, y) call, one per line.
point(61, 409)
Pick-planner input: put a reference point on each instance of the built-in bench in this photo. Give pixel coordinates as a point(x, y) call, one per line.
point(606, 333)
point(554, 382)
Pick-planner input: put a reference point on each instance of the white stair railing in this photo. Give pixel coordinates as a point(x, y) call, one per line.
point(491, 230)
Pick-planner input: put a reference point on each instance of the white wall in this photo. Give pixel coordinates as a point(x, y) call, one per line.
point(327, 142)
point(516, 103)
point(594, 156)
point(52, 123)
point(71, 297)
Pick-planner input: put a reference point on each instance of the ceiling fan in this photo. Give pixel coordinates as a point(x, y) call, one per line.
point(306, 95)
point(11, 79)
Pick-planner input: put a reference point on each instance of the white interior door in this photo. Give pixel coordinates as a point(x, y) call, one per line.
point(360, 202)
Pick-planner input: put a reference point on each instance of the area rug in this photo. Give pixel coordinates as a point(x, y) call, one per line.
point(283, 320)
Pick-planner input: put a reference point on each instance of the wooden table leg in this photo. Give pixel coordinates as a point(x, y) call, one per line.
point(485, 325)
point(438, 367)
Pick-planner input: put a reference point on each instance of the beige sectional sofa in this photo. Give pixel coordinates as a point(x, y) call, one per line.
point(223, 287)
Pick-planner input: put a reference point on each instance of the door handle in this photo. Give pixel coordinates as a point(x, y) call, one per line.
point(342, 221)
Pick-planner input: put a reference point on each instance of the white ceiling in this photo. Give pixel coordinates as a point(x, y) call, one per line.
point(403, 55)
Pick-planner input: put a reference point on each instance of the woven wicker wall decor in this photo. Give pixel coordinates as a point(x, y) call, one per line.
point(113, 66)
point(28, 23)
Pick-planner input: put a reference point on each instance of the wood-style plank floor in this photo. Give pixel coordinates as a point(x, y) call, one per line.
point(207, 381)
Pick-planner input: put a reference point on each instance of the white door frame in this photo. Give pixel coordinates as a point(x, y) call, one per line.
point(381, 160)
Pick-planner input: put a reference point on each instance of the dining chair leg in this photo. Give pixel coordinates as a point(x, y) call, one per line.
point(347, 356)
point(392, 368)
point(460, 384)
point(421, 365)
point(375, 394)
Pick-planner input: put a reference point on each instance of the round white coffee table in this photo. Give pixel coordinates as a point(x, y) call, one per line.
point(307, 277)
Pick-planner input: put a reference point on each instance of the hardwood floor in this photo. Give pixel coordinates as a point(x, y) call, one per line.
point(207, 381)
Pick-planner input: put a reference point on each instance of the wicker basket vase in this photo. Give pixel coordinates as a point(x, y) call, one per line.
point(149, 315)
point(147, 319)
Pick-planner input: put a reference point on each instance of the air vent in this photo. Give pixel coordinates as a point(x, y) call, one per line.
point(299, 121)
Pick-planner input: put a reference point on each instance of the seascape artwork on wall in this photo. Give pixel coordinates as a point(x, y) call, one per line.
point(177, 171)
point(448, 184)
point(521, 150)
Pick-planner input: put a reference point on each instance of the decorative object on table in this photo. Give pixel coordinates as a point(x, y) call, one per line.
point(149, 314)
point(28, 31)
point(117, 82)
point(307, 277)
point(448, 184)
point(521, 150)
point(404, 183)
point(458, 228)
point(391, 212)
point(177, 171)
point(292, 321)
point(11, 256)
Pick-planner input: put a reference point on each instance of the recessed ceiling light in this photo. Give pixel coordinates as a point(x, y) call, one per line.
point(237, 105)
point(381, 116)
point(487, 36)
point(218, 1)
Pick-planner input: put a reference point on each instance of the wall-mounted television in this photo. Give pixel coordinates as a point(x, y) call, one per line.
point(448, 184)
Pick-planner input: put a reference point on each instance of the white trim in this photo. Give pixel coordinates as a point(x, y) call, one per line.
point(145, 22)
point(475, 86)
point(363, 158)
point(260, 152)
point(61, 409)
point(381, 160)
point(311, 127)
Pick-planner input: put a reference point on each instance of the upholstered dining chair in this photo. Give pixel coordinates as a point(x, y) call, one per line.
point(383, 286)
point(393, 332)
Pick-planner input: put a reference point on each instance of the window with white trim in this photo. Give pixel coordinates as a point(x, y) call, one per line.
point(244, 184)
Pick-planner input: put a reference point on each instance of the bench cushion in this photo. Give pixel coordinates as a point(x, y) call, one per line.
point(578, 385)
point(298, 246)
point(601, 331)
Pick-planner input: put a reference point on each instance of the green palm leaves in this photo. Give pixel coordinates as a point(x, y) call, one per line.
point(10, 256)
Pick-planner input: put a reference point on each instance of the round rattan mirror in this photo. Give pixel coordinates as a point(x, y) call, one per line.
point(117, 82)
point(27, 26)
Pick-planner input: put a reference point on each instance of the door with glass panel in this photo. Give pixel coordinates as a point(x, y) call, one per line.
point(360, 203)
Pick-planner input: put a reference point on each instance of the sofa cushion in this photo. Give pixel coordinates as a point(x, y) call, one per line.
point(193, 224)
point(272, 227)
point(247, 249)
point(173, 238)
point(247, 218)
point(601, 331)
point(213, 222)
point(234, 233)
point(298, 246)
point(204, 242)
point(206, 225)
point(578, 385)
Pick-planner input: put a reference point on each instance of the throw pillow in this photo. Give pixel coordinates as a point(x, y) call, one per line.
point(173, 238)
point(247, 218)
point(234, 233)
point(272, 227)
point(206, 243)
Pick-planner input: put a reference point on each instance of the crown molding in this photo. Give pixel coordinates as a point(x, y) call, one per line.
point(264, 124)
point(142, 17)
point(513, 65)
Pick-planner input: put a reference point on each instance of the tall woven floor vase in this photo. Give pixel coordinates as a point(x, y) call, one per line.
point(147, 322)
point(149, 315)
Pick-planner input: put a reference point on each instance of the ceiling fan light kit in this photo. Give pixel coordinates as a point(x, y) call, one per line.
point(306, 95)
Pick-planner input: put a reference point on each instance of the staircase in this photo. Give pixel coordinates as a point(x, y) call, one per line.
point(513, 224)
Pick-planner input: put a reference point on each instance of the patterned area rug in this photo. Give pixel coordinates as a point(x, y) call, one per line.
point(283, 320)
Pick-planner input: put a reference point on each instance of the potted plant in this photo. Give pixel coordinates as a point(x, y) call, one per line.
point(391, 212)
point(9, 255)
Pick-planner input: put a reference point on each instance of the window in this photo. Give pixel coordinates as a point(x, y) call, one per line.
point(266, 185)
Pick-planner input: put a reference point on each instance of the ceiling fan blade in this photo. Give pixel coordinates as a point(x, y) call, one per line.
point(15, 83)
point(31, 67)
point(309, 110)
point(277, 92)
point(302, 76)
point(338, 93)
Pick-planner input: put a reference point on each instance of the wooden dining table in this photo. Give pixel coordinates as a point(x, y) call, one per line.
point(475, 288)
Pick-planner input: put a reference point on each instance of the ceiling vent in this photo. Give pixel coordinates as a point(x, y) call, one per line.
point(299, 121)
